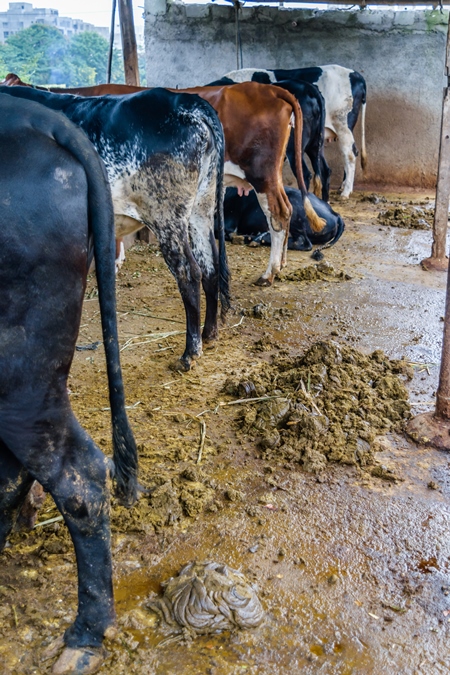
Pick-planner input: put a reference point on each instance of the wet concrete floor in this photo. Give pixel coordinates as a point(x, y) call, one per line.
point(352, 570)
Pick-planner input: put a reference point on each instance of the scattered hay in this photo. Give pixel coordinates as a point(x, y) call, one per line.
point(332, 403)
point(410, 217)
point(207, 598)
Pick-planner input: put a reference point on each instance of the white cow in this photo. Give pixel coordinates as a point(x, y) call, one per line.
point(344, 91)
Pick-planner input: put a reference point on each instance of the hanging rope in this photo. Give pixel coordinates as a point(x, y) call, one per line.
point(239, 59)
point(111, 42)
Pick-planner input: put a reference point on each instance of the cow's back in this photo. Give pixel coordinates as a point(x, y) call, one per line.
point(43, 221)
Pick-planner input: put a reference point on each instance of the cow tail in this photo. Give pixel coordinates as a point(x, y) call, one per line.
point(224, 272)
point(101, 224)
point(324, 176)
point(363, 135)
point(317, 224)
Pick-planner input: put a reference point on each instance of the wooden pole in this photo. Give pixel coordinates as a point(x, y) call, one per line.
point(443, 392)
point(438, 259)
point(129, 47)
point(111, 42)
point(434, 428)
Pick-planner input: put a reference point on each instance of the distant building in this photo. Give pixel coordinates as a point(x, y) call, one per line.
point(22, 15)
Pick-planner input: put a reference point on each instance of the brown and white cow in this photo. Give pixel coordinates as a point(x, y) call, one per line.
point(345, 94)
point(257, 120)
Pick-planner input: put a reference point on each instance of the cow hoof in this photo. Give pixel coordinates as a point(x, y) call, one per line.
point(79, 661)
point(209, 344)
point(209, 340)
point(263, 282)
point(53, 649)
point(181, 365)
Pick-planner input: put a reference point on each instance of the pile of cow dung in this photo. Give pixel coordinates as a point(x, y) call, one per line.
point(325, 406)
point(373, 198)
point(172, 496)
point(322, 271)
point(208, 598)
point(410, 217)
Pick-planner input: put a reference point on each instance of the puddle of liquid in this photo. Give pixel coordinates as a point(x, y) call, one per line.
point(426, 566)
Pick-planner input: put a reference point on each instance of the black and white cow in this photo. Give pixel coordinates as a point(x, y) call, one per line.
point(344, 91)
point(164, 155)
point(244, 216)
point(313, 131)
point(55, 213)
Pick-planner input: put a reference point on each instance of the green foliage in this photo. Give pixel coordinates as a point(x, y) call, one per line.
point(42, 55)
point(37, 54)
point(3, 66)
point(88, 58)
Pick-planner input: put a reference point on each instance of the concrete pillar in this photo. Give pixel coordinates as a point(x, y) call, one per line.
point(155, 7)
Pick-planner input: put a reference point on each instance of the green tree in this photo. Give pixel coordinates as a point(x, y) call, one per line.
point(37, 54)
point(88, 58)
point(42, 55)
point(3, 67)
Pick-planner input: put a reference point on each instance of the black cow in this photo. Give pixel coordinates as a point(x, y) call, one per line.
point(345, 94)
point(55, 214)
point(313, 131)
point(244, 216)
point(164, 155)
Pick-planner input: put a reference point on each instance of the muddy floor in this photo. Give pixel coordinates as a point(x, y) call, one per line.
point(351, 568)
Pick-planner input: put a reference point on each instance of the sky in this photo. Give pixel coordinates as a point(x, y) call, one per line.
point(97, 12)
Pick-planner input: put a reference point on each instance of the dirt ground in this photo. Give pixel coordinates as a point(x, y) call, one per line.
point(352, 569)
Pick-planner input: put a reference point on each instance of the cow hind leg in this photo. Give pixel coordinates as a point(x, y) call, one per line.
point(317, 180)
point(180, 261)
point(346, 142)
point(210, 283)
point(307, 175)
point(317, 186)
point(15, 482)
point(204, 248)
point(325, 172)
point(285, 249)
point(279, 216)
point(68, 464)
point(120, 254)
point(277, 245)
